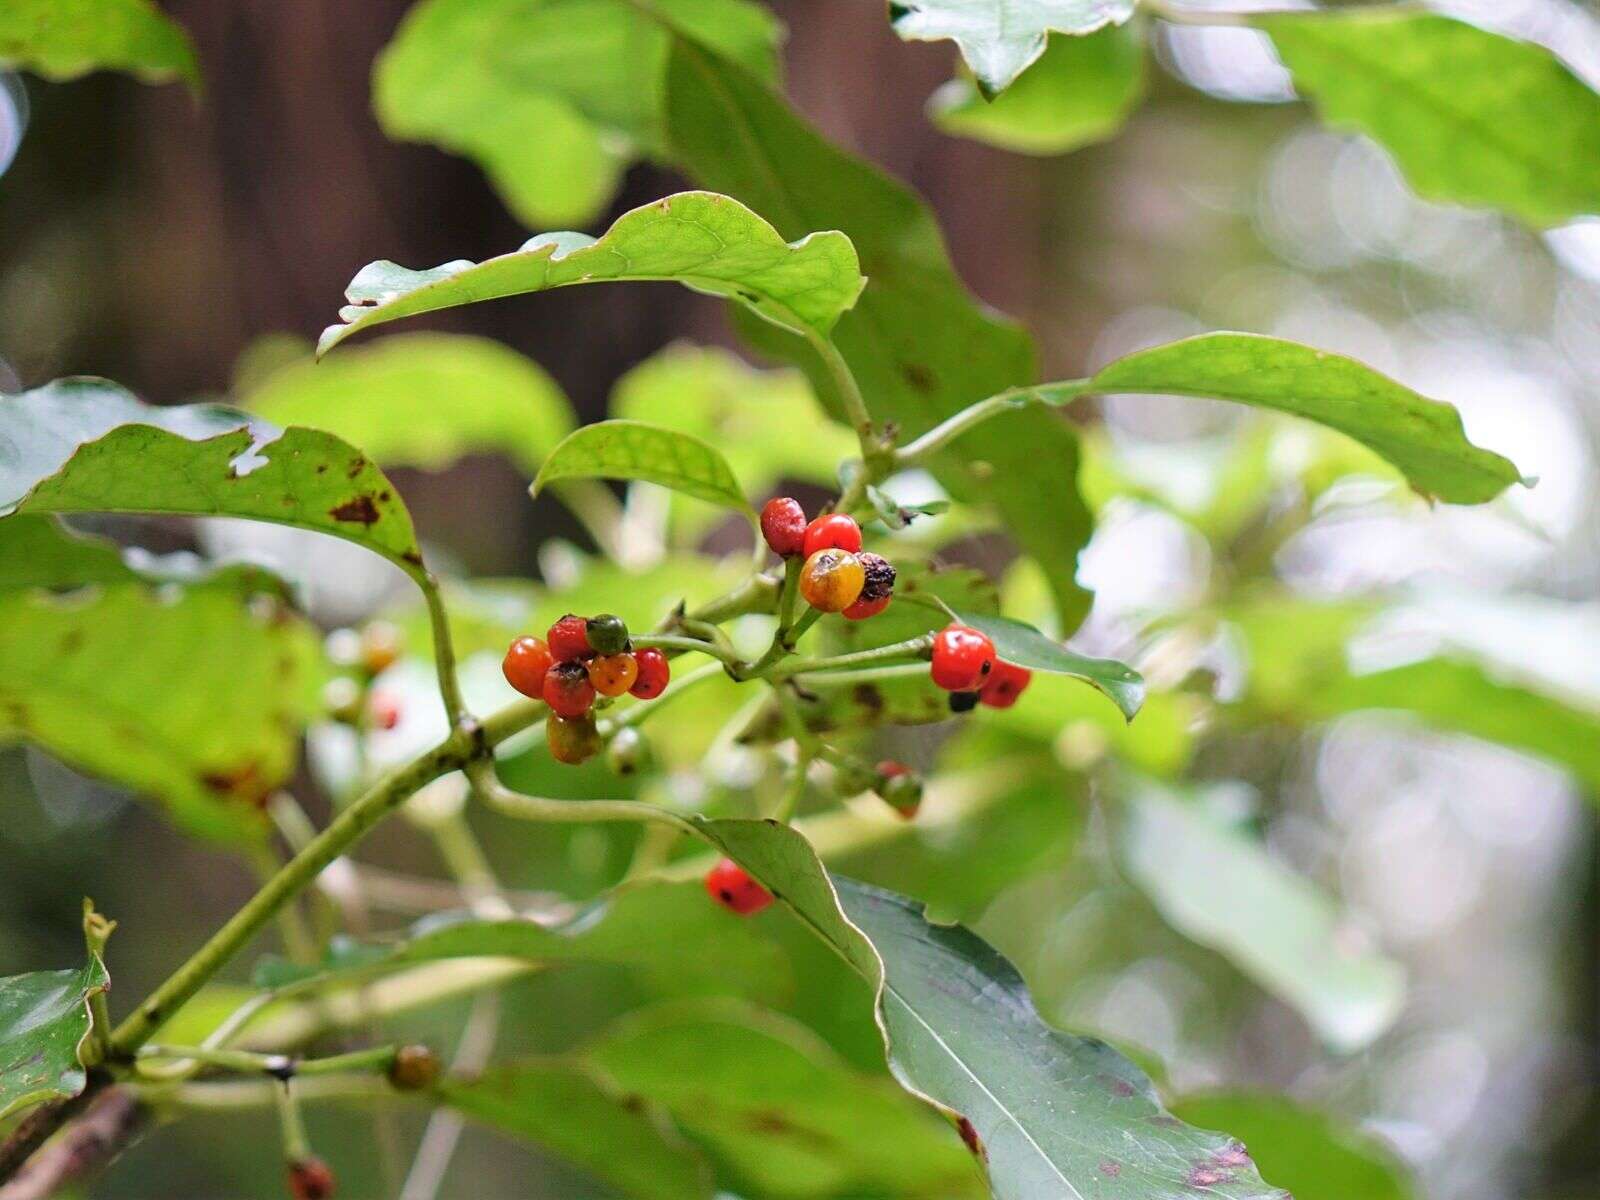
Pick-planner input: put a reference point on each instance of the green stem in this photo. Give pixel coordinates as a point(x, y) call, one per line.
point(795, 792)
point(444, 654)
point(349, 826)
point(855, 405)
point(917, 647)
point(97, 932)
point(948, 430)
point(540, 808)
point(685, 645)
point(812, 681)
point(296, 1148)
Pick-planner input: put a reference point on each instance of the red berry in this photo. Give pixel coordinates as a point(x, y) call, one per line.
point(863, 608)
point(835, 531)
point(525, 665)
point(310, 1179)
point(567, 689)
point(962, 658)
point(384, 710)
point(569, 639)
point(783, 524)
point(572, 740)
point(1006, 682)
point(654, 672)
point(730, 885)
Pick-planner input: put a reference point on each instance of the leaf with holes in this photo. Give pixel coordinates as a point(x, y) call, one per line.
point(634, 450)
point(1220, 887)
point(919, 344)
point(1080, 92)
point(1000, 38)
point(705, 241)
point(1471, 117)
point(44, 1019)
point(1422, 437)
point(553, 100)
point(63, 39)
point(1055, 1116)
point(86, 445)
point(1020, 643)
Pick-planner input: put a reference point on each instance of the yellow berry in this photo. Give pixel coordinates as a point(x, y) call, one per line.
point(832, 579)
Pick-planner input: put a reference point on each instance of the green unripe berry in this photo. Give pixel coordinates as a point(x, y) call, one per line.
point(608, 634)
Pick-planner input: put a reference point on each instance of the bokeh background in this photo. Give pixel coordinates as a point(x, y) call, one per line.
point(154, 240)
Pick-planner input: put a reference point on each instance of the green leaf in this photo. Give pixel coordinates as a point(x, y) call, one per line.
point(1471, 117)
point(63, 39)
point(767, 424)
point(1055, 708)
point(424, 400)
point(564, 1108)
point(39, 552)
point(1299, 671)
point(921, 347)
point(634, 450)
point(86, 445)
point(705, 241)
point(44, 1019)
point(1000, 38)
point(1220, 887)
point(551, 99)
point(1080, 92)
point(1020, 643)
point(89, 677)
point(778, 1108)
point(643, 928)
point(1423, 438)
point(1057, 1116)
point(1309, 1154)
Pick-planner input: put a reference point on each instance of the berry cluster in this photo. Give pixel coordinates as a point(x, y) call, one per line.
point(581, 658)
point(966, 666)
point(838, 576)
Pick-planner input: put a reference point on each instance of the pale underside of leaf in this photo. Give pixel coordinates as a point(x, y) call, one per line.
point(1000, 38)
point(708, 242)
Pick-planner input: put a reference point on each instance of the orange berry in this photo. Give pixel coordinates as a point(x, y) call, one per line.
point(832, 579)
point(613, 674)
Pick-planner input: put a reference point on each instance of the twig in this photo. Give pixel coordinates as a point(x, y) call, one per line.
point(109, 1126)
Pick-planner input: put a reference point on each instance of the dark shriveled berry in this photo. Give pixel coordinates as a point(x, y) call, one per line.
point(963, 702)
point(880, 574)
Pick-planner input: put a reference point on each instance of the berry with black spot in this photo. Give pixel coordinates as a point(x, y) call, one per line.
point(572, 740)
point(1006, 683)
point(613, 674)
point(654, 673)
point(607, 634)
point(877, 587)
point(569, 639)
point(900, 788)
point(567, 689)
point(783, 525)
point(831, 580)
point(525, 665)
point(832, 531)
point(310, 1179)
point(963, 702)
point(962, 658)
point(731, 886)
point(415, 1068)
